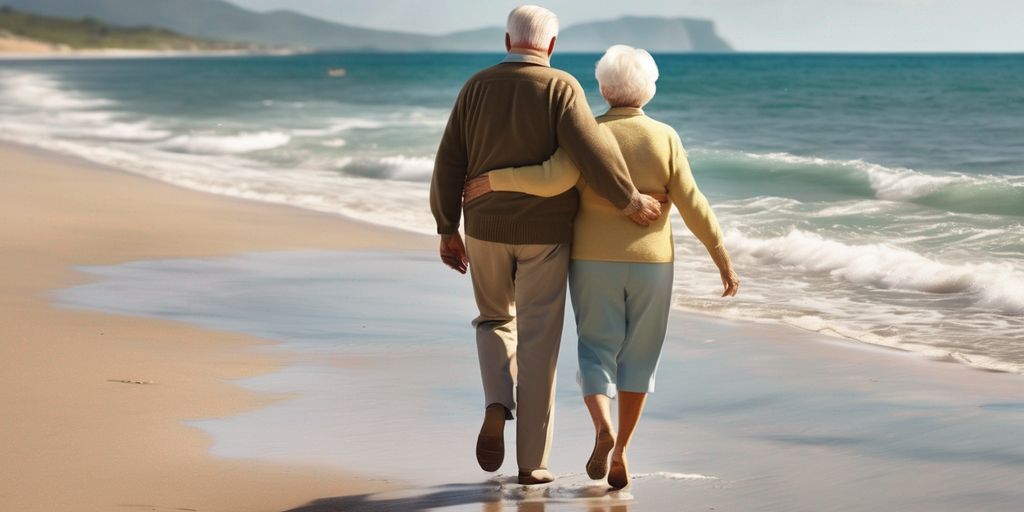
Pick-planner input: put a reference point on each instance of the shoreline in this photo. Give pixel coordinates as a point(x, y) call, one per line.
point(85, 440)
point(925, 352)
point(125, 53)
point(133, 443)
point(922, 352)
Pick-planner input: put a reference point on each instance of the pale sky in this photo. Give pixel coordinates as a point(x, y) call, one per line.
point(750, 25)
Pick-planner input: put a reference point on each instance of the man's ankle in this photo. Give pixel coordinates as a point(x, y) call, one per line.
point(498, 409)
point(494, 421)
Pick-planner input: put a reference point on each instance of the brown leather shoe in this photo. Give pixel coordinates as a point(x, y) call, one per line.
point(536, 477)
point(597, 465)
point(490, 452)
point(490, 444)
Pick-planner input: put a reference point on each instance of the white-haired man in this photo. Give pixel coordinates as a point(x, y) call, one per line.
point(515, 113)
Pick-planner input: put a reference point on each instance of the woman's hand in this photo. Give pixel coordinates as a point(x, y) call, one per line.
point(476, 188)
point(730, 281)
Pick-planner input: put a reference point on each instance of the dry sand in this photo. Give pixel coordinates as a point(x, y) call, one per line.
point(15, 47)
point(13, 44)
point(74, 438)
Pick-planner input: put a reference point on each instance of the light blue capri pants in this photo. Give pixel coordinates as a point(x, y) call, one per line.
point(621, 315)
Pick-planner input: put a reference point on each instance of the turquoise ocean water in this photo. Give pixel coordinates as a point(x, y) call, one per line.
point(875, 198)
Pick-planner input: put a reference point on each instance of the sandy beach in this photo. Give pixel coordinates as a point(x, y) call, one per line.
point(262, 357)
point(220, 287)
point(13, 47)
point(74, 436)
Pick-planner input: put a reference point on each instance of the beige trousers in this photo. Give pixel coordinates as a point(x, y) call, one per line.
point(520, 292)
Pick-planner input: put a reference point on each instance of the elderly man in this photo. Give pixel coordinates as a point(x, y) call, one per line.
point(515, 113)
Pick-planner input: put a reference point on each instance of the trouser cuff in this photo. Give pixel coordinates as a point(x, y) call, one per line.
point(508, 412)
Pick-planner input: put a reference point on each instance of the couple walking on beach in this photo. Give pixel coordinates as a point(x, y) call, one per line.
point(552, 195)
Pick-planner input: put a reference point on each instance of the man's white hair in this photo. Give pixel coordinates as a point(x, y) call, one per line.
point(531, 26)
point(627, 76)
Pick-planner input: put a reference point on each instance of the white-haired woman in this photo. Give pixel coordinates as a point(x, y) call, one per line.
point(621, 274)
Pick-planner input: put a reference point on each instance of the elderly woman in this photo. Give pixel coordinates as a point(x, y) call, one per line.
point(620, 277)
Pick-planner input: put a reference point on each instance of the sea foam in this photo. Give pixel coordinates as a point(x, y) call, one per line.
point(666, 475)
point(399, 167)
point(994, 286)
point(44, 92)
point(209, 144)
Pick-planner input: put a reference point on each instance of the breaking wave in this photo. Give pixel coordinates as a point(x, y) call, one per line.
point(994, 286)
point(208, 144)
point(811, 178)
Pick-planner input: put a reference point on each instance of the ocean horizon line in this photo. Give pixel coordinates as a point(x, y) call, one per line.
point(130, 54)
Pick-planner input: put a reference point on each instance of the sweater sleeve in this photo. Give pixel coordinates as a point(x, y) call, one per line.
point(595, 153)
point(449, 178)
point(692, 205)
point(547, 179)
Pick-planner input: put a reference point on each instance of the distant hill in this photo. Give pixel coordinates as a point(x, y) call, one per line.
point(218, 19)
point(654, 34)
point(88, 33)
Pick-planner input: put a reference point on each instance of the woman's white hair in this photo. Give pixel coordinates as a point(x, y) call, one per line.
point(627, 76)
point(531, 26)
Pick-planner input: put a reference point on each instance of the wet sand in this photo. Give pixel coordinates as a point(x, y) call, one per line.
point(745, 417)
point(74, 437)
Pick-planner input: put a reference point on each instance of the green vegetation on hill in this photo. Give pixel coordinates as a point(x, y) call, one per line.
point(88, 33)
point(218, 19)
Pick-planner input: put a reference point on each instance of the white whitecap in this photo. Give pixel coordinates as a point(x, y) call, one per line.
point(344, 124)
point(44, 92)
point(903, 184)
point(397, 167)
point(210, 144)
point(889, 183)
point(409, 168)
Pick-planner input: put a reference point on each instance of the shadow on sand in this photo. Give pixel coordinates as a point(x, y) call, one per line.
point(492, 496)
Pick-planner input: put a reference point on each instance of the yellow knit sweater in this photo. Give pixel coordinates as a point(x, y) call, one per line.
point(657, 164)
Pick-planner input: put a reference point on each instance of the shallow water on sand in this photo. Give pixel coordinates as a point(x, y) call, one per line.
point(384, 381)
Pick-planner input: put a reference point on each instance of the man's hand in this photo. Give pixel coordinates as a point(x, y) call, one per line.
point(453, 252)
point(475, 188)
point(650, 210)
